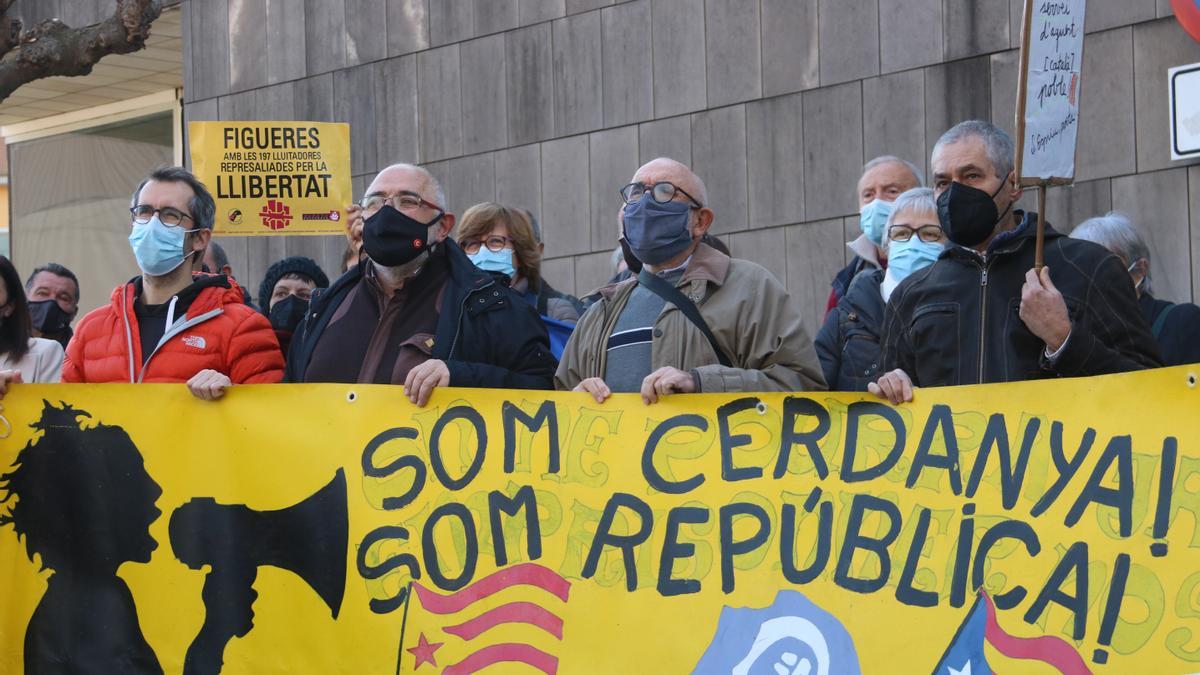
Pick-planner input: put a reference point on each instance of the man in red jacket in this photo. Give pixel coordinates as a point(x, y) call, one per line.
point(168, 325)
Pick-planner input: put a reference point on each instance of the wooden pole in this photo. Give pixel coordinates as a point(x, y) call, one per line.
point(1039, 259)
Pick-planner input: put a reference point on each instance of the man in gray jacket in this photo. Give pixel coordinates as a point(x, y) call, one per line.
point(636, 340)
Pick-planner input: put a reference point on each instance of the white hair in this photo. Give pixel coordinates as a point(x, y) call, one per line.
point(916, 200)
point(1117, 233)
point(892, 159)
point(438, 192)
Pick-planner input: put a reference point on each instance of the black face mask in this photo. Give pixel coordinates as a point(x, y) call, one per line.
point(48, 318)
point(287, 314)
point(392, 239)
point(968, 215)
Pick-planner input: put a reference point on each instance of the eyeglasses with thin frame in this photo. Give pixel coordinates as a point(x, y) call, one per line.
point(494, 243)
point(171, 217)
point(661, 192)
point(926, 233)
point(401, 201)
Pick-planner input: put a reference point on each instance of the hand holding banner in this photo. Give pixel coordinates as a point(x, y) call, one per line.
point(978, 527)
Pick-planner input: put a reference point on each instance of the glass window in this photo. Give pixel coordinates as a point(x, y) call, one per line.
point(70, 199)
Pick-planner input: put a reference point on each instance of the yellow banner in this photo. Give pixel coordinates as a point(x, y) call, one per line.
point(274, 177)
point(336, 528)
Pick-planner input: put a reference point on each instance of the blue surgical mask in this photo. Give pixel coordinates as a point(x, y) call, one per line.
point(906, 257)
point(657, 232)
point(494, 261)
point(158, 247)
point(873, 218)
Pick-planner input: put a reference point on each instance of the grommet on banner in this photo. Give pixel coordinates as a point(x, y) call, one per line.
point(761, 407)
point(1191, 380)
point(351, 396)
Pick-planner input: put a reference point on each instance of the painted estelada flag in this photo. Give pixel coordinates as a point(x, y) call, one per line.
point(510, 616)
point(965, 654)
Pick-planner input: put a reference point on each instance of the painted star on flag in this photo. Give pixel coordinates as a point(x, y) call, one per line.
point(965, 670)
point(424, 650)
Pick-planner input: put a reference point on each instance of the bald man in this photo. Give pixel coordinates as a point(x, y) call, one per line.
point(416, 312)
point(637, 338)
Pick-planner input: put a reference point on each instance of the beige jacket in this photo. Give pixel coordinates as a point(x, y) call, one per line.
point(756, 322)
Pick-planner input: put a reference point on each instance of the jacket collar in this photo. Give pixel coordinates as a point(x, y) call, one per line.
point(707, 265)
point(464, 272)
point(211, 291)
point(866, 249)
point(1009, 242)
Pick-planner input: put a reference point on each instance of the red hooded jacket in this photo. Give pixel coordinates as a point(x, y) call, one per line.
point(218, 331)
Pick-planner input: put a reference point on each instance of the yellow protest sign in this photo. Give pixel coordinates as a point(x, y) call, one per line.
point(336, 528)
point(274, 177)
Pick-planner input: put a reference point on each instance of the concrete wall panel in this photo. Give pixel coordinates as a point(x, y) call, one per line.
point(553, 104)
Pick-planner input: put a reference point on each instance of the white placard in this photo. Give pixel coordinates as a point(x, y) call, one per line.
point(1183, 87)
point(1051, 83)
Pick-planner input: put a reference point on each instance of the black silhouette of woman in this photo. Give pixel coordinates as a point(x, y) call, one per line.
point(84, 504)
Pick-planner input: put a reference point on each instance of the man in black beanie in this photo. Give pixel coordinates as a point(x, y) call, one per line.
point(284, 294)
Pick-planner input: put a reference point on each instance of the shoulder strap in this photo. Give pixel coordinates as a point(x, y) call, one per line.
point(1161, 320)
point(666, 291)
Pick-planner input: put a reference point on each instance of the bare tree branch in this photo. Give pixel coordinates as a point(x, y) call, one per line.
point(52, 48)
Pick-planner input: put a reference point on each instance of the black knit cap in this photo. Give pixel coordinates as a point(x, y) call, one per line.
point(296, 264)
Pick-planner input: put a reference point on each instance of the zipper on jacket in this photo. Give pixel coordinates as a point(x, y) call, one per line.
point(128, 337)
point(461, 311)
point(983, 282)
point(176, 330)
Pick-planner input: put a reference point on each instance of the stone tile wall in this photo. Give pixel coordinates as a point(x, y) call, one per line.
point(552, 104)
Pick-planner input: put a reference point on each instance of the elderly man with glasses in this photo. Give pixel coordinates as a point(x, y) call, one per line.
point(169, 325)
point(691, 319)
point(415, 311)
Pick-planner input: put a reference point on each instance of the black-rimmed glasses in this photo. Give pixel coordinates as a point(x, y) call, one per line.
point(172, 217)
point(403, 201)
point(495, 243)
point(926, 233)
point(661, 192)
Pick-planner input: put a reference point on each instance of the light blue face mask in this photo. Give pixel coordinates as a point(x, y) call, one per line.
point(158, 247)
point(872, 219)
point(494, 261)
point(906, 257)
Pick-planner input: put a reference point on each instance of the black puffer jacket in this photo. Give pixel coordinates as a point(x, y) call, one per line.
point(957, 321)
point(487, 335)
point(848, 343)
